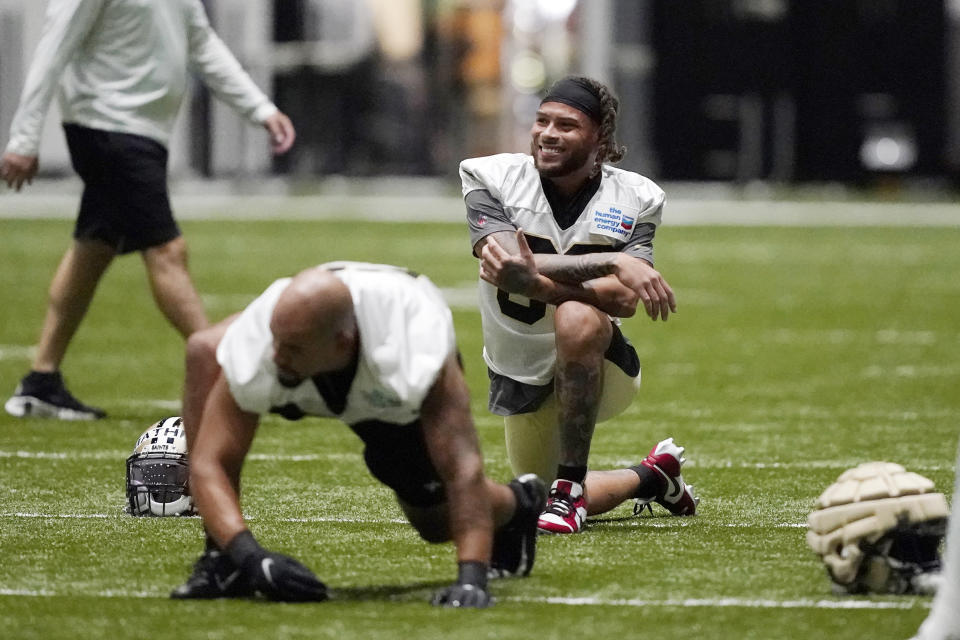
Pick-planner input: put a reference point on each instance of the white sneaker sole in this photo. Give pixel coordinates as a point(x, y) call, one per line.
point(30, 407)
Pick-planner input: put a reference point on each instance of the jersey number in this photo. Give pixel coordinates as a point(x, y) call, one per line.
point(528, 313)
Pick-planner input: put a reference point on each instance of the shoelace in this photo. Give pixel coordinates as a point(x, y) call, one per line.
point(561, 504)
point(639, 506)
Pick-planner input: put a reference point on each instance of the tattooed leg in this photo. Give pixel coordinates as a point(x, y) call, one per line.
point(583, 335)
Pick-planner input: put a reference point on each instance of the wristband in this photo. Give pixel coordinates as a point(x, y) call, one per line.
point(242, 546)
point(474, 573)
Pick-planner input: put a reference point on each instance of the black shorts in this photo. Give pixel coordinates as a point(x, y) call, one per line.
point(509, 397)
point(397, 456)
point(125, 202)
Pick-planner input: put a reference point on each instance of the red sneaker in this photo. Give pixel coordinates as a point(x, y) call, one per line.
point(566, 510)
point(665, 459)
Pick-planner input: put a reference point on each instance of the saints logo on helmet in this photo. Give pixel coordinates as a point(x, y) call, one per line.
point(158, 471)
point(878, 529)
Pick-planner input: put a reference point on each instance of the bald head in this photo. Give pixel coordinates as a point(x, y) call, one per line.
point(313, 326)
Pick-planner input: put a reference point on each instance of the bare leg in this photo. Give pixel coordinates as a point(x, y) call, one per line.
point(172, 287)
point(503, 502)
point(609, 489)
point(71, 291)
point(583, 335)
point(432, 522)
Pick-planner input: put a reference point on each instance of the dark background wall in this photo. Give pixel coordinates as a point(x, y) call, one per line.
point(799, 90)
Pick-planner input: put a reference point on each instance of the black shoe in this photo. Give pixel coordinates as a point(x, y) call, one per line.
point(515, 544)
point(214, 576)
point(44, 395)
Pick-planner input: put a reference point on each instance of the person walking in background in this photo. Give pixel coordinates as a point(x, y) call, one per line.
point(121, 69)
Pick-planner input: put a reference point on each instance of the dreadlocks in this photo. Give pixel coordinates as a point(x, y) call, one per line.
point(610, 151)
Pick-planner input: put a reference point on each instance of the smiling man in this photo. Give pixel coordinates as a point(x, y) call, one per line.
point(565, 243)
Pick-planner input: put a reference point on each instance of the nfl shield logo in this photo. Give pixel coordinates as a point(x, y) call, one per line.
point(626, 222)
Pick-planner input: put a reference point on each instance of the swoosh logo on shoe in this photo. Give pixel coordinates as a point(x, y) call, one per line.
point(224, 584)
point(673, 496)
point(265, 565)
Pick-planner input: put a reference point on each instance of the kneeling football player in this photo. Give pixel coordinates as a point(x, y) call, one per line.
point(374, 346)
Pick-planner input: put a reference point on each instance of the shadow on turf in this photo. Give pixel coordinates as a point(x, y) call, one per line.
point(405, 592)
point(638, 519)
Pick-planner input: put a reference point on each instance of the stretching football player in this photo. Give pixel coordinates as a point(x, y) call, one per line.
point(374, 346)
point(565, 243)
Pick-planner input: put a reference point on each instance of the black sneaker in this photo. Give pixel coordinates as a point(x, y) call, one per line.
point(44, 395)
point(214, 576)
point(515, 544)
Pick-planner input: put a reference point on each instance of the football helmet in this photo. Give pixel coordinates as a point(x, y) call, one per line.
point(878, 529)
point(158, 472)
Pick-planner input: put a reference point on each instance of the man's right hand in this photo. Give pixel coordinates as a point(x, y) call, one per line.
point(16, 169)
point(509, 269)
point(276, 576)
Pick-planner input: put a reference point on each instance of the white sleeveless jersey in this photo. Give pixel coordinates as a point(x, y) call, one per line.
point(518, 333)
point(406, 335)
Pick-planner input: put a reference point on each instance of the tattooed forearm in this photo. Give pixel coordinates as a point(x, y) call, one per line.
point(576, 269)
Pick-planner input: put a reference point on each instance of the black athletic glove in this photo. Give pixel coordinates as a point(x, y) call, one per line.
point(276, 576)
point(469, 591)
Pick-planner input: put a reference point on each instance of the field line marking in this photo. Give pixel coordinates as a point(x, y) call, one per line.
point(123, 515)
point(638, 521)
point(17, 352)
point(723, 602)
point(708, 603)
point(122, 455)
point(64, 516)
point(389, 201)
point(309, 457)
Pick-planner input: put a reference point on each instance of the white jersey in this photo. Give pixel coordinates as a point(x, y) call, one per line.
point(121, 65)
point(518, 333)
point(406, 335)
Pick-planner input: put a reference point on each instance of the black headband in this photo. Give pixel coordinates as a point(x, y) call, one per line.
point(578, 95)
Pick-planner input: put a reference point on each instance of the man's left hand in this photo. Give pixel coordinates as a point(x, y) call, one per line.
point(275, 575)
point(282, 133)
point(470, 591)
point(467, 596)
point(657, 296)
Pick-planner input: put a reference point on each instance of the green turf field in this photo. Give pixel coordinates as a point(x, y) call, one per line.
point(797, 353)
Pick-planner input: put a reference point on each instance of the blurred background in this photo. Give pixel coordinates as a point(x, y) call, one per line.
point(859, 93)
